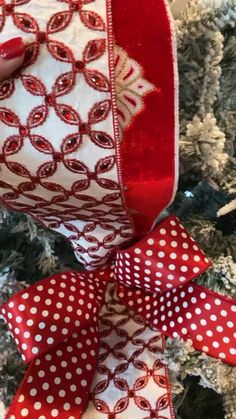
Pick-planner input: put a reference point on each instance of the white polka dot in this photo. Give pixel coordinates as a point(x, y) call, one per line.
point(62, 393)
point(18, 319)
point(33, 392)
point(21, 398)
point(24, 296)
point(207, 306)
point(45, 313)
point(162, 242)
point(226, 339)
point(24, 412)
point(37, 405)
point(222, 355)
point(50, 291)
point(230, 324)
point(57, 380)
point(41, 373)
point(161, 254)
point(223, 313)
point(33, 310)
point(219, 329)
point(53, 328)
point(196, 258)
point(137, 251)
point(209, 333)
point(54, 413)
point(205, 348)
point(50, 340)
point(78, 400)
point(184, 268)
point(233, 309)
point(215, 344)
point(199, 338)
point(202, 295)
point(38, 338)
point(232, 351)
point(21, 307)
point(35, 350)
point(66, 406)
point(203, 322)
point(37, 298)
point(50, 399)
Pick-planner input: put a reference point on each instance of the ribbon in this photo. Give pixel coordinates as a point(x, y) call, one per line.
point(55, 322)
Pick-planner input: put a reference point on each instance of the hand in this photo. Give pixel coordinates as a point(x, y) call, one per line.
point(11, 56)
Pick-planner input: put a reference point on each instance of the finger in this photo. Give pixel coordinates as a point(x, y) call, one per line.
point(11, 56)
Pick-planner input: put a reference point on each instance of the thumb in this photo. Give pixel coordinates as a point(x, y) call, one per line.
point(11, 56)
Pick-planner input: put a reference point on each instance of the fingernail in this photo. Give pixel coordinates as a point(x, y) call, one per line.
point(12, 49)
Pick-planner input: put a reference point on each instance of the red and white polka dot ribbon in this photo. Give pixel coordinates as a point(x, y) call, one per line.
point(55, 322)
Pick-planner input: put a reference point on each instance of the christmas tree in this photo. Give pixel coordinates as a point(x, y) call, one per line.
point(205, 202)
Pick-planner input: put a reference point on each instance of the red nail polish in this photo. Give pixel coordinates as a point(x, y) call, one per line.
point(12, 49)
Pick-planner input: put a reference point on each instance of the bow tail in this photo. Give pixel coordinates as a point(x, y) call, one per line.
point(57, 384)
point(55, 325)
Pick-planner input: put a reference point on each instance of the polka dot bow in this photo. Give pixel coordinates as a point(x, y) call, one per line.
point(55, 322)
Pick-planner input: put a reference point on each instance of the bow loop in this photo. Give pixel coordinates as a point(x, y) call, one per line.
point(165, 259)
point(50, 311)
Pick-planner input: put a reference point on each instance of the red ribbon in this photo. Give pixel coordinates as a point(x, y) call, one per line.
point(55, 322)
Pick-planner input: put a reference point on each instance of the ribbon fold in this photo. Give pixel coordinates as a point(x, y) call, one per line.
point(55, 322)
